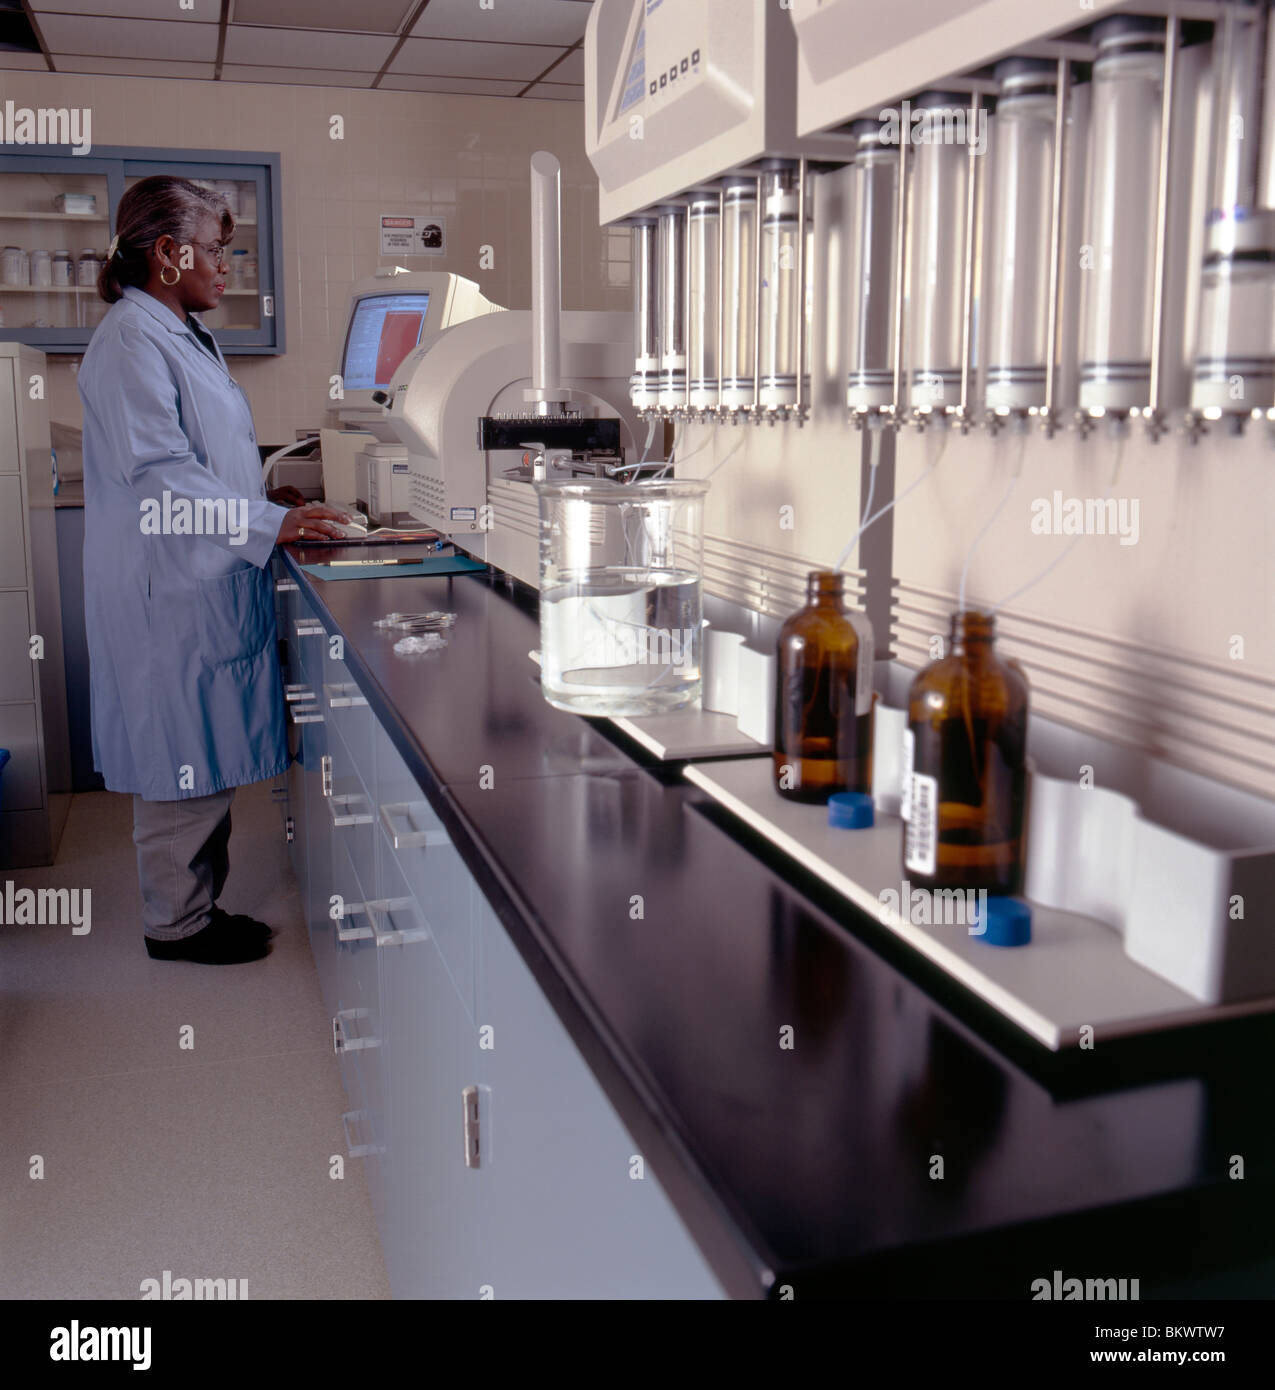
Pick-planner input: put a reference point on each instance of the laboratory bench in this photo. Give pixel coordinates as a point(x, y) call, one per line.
point(599, 1041)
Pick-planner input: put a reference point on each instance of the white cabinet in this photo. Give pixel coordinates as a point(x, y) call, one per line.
point(496, 1165)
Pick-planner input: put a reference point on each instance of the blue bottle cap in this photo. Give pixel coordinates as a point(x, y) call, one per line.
point(1008, 922)
point(850, 810)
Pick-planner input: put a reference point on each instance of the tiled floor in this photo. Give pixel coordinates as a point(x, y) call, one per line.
point(210, 1161)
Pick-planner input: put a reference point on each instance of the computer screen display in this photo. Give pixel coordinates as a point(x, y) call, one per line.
point(384, 328)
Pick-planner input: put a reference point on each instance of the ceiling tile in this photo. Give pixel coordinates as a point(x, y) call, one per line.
point(120, 9)
point(130, 38)
point(304, 77)
point(454, 58)
point(133, 67)
point(556, 91)
point(23, 60)
point(305, 48)
point(365, 17)
point(508, 21)
point(571, 69)
point(462, 86)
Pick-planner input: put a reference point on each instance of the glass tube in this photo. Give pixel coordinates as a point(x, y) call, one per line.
point(672, 326)
point(936, 277)
point(1235, 348)
point(781, 300)
point(702, 291)
point(1021, 214)
point(739, 239)
point(1118, 279)
point(870, 298)
point(644, 383)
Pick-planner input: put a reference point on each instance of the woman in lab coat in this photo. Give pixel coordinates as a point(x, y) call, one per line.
point(187, 697)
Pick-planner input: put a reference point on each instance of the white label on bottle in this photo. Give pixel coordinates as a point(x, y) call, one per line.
point(922, 831)
point(864, 666)
point(905, 782)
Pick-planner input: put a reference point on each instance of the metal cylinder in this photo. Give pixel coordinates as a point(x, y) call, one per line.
point(870, 290)
point(644, 383)
point(546, 281)
point(704, 235)
point(1020, 240)
point(936, 276)
point(1235, 346)
point(782, 302)
point(739, 324)
point(1119, 286)
point(672, 325)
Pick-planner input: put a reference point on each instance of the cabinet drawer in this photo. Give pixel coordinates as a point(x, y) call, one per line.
point(17, 679)
point(350, 811)
point(21, 787)
point(13, 546)
point(428, 869)
point(345, 707)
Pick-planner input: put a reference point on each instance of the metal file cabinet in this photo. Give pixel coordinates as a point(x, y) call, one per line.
point(35, 786)
point(496, 1165)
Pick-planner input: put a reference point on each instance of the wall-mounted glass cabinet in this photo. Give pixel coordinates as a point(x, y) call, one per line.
point(57, 218)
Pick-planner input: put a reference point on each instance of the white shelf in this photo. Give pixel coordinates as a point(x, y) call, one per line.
point(54, 217)
point(48, 289)
point(1075, 971)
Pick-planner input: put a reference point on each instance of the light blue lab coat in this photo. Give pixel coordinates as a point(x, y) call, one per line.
point(187, 696)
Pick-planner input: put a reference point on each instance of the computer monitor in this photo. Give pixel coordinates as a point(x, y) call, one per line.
point(389, 315)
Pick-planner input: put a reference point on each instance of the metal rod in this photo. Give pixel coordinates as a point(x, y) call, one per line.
point(967, 294)
point(721, 293)
point(1162, 212)
point(686, 303)
point(802, 271)
point(900, 267)
point(1053, 349)
point(757, 296)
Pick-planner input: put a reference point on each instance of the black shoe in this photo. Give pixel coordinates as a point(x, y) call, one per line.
point(221, 942)
point(241, 921)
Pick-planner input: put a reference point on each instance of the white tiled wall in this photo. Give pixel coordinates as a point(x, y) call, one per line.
point(464, 157)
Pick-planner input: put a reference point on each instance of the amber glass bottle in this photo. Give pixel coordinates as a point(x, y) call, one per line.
point(823, 696)
point(965, 766)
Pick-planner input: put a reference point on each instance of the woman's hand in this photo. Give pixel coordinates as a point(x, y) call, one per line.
point(287, 496)
point(314, 520)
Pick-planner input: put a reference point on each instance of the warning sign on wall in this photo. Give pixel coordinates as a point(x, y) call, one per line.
point(403, 235)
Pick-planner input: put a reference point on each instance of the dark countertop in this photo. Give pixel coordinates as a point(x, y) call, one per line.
point(813, 1165)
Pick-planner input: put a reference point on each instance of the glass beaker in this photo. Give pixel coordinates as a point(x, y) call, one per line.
point(621, 613)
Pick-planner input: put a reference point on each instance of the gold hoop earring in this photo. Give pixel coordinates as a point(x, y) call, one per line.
point(177, 275)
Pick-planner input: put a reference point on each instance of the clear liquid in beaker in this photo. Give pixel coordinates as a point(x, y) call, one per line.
point(621, 641)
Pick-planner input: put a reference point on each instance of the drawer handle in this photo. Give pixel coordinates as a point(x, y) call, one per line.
point(308, 627)
point(338, 697)
point(357, 1150)
point(347, 1039)
point(305, 714)
point(347, 817)
point(409, 839)
point(363, 933)
point(386, 935)
point(303, 693)
point(286, 586)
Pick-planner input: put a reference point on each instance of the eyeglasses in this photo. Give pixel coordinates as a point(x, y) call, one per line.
point(218, 250)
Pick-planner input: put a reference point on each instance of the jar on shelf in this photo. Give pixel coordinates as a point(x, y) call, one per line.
point(62, 270)
point(238, 260)
point(41, 268)
point(250, 271)
point(86, 269)
point(11, 259)
point(965, 766)
point(823, 696)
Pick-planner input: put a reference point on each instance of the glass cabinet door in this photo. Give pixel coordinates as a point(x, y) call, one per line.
point(54, 231)
point(57, 218)
point(240, 310)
